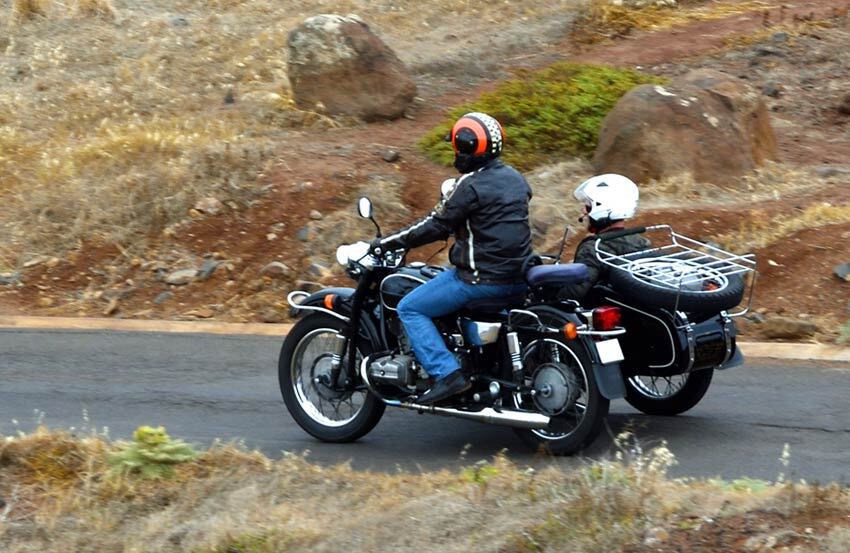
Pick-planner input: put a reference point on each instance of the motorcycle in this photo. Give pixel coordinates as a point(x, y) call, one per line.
point(653, 333)
point(548, 368)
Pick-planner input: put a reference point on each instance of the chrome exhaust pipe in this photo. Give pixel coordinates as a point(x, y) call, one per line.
point(516, 419)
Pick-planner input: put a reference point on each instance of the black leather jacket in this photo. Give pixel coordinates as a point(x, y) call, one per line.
point(487, 212)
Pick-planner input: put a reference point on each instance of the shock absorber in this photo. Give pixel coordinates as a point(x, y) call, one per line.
point(336, 358)
point(516, 359)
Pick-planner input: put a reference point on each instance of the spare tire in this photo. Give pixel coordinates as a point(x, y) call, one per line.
point(703, 288)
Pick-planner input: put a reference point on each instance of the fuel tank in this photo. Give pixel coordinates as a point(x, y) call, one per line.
point(402, 282)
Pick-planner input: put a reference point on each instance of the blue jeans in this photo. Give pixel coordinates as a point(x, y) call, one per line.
point(443, 295)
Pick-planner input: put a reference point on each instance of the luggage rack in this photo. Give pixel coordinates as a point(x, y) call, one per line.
point(683, 264)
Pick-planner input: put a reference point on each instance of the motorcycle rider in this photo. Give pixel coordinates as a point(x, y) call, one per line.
point(486, 209)
point(608, 200)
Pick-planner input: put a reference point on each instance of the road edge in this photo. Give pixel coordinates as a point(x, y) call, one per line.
point(139, 325)
point(761, 350)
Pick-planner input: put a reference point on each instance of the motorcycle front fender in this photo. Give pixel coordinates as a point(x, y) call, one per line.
point(317, 299)
point(342, 305)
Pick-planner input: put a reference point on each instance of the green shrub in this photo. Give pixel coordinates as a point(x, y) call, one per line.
point(845, 334)
point(554, 112)
point(152, 454)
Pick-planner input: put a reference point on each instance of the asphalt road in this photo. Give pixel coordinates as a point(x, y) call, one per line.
point(202, 387)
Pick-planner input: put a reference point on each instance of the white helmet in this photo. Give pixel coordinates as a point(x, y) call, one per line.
point(608, 198)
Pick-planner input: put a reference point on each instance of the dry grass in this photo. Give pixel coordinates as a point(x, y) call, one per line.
point(605, 19)
point(769, 182)
point(95, 8)
point(758, 229)
point(25, 10)
point(113, 118)
point(553, 206)
point(59, 496)
point(112, 132)
point(844, 338)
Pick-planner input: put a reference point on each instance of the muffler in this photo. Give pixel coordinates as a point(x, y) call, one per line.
point(516, 419)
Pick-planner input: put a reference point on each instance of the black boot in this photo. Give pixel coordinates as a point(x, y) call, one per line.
point(454, 383)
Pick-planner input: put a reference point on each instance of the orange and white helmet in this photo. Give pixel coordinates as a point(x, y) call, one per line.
point(478, 135)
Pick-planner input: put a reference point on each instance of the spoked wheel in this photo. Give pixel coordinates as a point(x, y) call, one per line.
point(560, 374)
point(304, 372)
point(667, 395)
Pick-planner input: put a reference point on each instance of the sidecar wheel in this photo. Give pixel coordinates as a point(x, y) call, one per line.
point(667, 395)
point(326, 414)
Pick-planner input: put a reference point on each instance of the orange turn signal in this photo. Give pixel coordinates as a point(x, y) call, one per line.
point(329, 301)
point(570, 331)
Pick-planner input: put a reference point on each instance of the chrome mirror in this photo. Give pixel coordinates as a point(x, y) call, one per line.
point(364, 207)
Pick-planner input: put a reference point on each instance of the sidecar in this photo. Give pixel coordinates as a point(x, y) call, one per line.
point(677, 300)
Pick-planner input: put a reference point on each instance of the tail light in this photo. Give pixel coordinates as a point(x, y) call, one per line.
point(606, 318)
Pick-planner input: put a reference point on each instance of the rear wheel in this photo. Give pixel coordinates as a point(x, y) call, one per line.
point(561, 374)
point(667, 395)
point(303, 370)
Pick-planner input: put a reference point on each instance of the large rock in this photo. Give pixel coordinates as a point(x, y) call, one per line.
point(703, 123)
point(337, 61)
point(786, 328)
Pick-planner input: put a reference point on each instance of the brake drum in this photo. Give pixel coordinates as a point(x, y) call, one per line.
point(555, 388)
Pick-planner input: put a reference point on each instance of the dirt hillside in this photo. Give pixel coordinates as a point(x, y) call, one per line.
point(291, 199)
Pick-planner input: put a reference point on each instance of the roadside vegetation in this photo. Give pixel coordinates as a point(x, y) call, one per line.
point(548, 115)
point(759, 229)
point(66, 492)
point(110, 131)
point(605, 19)
point(116, 142)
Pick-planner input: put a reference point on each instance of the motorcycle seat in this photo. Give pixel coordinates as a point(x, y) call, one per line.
point(557, 275)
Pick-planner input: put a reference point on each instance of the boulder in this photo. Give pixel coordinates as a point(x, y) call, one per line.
point(390, 156)
point(163, 297)
point(704, 123)
point(7, 279)
point(181, 277)
point(208, 268)
point(842, 271)
point(210, 206)
point(786, 328)
point(339, 63)
point(276, 269)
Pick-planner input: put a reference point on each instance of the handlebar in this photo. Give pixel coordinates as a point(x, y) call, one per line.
point(620, 233)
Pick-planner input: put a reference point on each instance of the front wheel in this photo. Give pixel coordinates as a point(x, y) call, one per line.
point(560, 372)
point(305, 365)
point(667, 395)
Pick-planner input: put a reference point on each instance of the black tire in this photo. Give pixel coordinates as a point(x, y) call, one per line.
point(645, 294)
point(642, 398)
point(595, 406)
point(301, 336)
